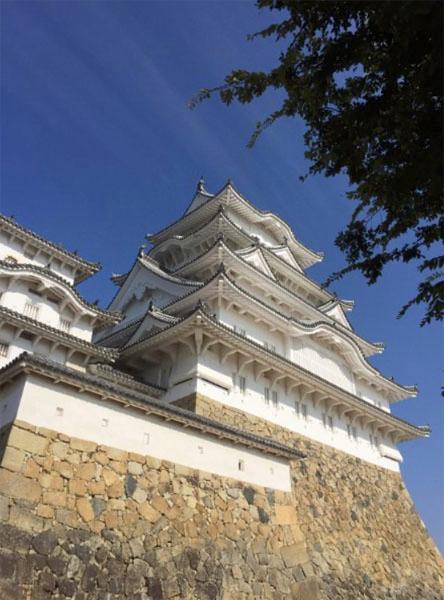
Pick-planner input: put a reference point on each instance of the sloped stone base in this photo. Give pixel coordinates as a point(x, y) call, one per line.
point(363, 535)
point(83, 521)
point(87, 522)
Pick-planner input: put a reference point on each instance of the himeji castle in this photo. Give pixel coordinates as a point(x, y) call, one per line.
point(221, 306)
point(217, 432)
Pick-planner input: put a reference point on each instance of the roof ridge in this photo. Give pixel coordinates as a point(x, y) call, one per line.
point(92, 266)
point(59, 279)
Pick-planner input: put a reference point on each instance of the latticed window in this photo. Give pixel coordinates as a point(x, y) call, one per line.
point(274, 398)
point(31, 310)
point(65, 324)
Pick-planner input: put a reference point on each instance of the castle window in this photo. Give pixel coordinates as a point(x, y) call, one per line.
point(267, 395)
point(349, 431)
point(274, 398)
point(297, 407)
point(241, 465)
point(4, 349)
point(65, 324)
point(242, 384)
point(304, 411)
point(31, 310)
point(330, 423)
point(354, 433)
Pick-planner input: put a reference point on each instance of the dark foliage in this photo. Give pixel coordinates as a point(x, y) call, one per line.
point(367, 78)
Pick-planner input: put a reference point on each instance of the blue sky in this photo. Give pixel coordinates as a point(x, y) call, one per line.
point(98, 148)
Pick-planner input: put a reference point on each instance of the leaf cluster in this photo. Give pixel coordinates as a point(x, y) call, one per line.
point(367, 78)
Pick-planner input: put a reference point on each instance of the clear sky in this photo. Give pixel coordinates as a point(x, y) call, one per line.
point(98, 148)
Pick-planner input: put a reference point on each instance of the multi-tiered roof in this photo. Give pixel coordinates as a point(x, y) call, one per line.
point(226, 257)
point(41, 310)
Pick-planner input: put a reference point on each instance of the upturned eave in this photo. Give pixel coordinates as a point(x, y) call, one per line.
point(192, 330)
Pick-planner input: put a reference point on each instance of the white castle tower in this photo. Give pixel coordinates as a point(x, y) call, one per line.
point(221, 307)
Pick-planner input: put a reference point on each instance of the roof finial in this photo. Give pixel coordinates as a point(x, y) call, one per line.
point(201, 185)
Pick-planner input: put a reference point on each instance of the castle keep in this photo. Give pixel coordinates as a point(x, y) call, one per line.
point(217, 433)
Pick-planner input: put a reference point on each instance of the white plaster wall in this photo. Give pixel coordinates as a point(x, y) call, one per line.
point(18, 295)
point(19, 345)
point(64, 410)
point(15, 249)
point(317, 359)
point(254, 229)
point(211, 377)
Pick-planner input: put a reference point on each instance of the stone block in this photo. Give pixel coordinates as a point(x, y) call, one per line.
point(135, 468)
point(65, 469)
point(294, 555)
point(86, 471)
point(114, 453)
point(16, 485)
point(24, 518)
point(57, 499)
point(31, 469)
point(45, 511)
point(59, 449)
point(115, 490)
point(82, 445)
point(26, 440)
point(148, 512)
point(13, 459)
point(160, 504)
point(77, 487)
point(85, 509)
point(285, 515)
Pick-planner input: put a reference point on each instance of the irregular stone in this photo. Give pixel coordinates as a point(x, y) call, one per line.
point(25, 440)
point(14, 485)
point(130, 485)
point(134, 468)
point(45, 542)
point(82, 445)
point(13, 459)
point(85, 509)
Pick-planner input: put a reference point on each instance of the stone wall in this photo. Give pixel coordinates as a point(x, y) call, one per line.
point(89, 522)
point(363, 535)
point(85, 521)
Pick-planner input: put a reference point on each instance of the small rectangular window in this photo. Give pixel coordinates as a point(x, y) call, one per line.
point(304, 411)
point(65, 324)
point(354, 433)
point(267, 395)
point(241, 465)
point(31, 310)
point(274, 398)
point(349, 433)
point(324, 419)
point(4, 349)
point(330, 423)
point(242, 384)
point(297, 407)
